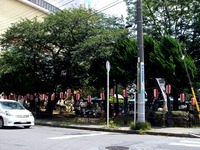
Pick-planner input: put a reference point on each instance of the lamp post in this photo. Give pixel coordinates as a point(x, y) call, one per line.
point(108, 70)
point(140, 65)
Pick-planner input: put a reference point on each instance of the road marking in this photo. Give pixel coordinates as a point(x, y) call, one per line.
point(76, 136)
point(187, 143)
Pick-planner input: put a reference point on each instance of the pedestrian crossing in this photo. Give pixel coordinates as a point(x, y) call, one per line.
point(77, 136)
point(186, 143)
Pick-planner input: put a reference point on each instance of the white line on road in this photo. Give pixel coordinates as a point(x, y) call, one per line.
point(76, 136)
point(187, 143)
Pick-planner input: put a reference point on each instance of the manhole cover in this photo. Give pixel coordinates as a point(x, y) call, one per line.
point(117, 148)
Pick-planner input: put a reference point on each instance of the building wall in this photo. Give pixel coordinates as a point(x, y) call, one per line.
point(12, 11)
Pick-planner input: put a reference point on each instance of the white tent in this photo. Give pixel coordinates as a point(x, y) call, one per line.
point(119, 96)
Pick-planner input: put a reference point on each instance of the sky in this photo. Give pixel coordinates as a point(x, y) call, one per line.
point(112, 7)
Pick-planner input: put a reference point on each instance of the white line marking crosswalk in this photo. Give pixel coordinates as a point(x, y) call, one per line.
point(187, 143)
point(76, 136)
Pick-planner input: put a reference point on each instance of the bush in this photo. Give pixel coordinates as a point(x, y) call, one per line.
point(141, 126)
point(157, 118)
point(177, 119)
point(173, 118)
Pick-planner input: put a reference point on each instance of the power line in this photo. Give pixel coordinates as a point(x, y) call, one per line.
point(97, 11)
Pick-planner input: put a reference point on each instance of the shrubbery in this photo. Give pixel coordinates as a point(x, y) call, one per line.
point(172, 119)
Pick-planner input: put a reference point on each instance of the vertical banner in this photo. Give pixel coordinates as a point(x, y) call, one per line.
point(161, 83)
point(142, 78)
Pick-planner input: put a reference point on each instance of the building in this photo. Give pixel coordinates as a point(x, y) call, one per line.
point(12, 11)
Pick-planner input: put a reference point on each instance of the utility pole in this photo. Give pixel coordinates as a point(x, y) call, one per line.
point(140, 66)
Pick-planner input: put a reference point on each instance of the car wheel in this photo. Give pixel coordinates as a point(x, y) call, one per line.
point(1, 122)
point(26, 127)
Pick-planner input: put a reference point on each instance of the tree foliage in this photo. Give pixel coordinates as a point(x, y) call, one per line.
point(60, 49)
point(179, 19)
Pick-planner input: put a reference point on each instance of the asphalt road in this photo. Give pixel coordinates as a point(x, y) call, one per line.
point(53, 138)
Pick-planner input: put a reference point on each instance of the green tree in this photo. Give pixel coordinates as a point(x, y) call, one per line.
point(178, 19)
point(59, 50)
point(124, 62)
point(164, 60)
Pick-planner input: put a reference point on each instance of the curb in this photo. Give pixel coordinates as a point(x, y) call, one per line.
point(63, 125)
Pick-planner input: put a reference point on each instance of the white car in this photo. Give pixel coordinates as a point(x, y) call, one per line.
point(12, 113)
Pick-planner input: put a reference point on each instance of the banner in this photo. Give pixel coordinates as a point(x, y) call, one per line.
point(161, 83)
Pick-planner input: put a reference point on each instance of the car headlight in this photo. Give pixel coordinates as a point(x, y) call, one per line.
point(8, 113)
point(30, 114)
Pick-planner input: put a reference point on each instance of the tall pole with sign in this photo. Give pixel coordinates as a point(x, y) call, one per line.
point(140, 73)
point(108, 70)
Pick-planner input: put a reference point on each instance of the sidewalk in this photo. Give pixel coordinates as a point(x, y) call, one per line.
point(168, 131)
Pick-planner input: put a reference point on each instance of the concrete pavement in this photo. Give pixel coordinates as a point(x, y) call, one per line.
point(165, 131)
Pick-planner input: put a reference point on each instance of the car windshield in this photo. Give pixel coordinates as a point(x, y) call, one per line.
point(11, 105)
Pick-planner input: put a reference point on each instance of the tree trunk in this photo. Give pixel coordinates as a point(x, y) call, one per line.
point(175, 102)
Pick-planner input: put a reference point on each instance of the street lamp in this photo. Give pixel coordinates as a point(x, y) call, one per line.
point(108, 70)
